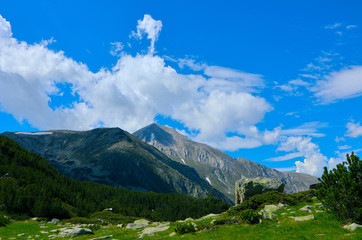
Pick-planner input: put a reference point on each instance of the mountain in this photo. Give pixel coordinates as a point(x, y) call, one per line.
point(215, 166)
point(114, 157)
point(31, 186)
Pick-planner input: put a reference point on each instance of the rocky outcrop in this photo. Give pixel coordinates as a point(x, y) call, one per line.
point(246, 188)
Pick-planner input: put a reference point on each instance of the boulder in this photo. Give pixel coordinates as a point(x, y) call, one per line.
point(54, 221)
point(73, 231)
point(268, 211)
point(138, 224)
point(248, 187)
point(303, 218)
point(306, 209)
point(152, 230)
point(352, 226)
point(104, 237)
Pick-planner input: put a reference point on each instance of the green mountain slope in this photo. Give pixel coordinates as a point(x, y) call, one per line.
point(114, 157)
point(29, 185)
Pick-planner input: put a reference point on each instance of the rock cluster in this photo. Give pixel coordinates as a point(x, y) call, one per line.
point(246, 188)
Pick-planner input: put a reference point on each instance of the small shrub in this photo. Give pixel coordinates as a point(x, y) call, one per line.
point(224, 221)
point(206, 226)
point(94, 227)
point(41, 219)
point(260, 200)
point(182, 228)
point(305, 196)
point(4, 220)
point(250, 216)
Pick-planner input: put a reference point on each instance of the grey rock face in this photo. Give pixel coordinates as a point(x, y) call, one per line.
point(246, 188)
point(215, 166)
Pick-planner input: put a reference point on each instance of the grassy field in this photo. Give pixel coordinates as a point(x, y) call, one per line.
point(323, 226)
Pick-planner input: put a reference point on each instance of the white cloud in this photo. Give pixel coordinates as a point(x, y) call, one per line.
point(116, 48)
point(354, 130)
point(299, 82)
point(286, 169)
point(150, 27)
point(333, 26)
point(351, 26)
point(343, 84)
point(339, 139)
point(344, 147)
point(293, 85)
point(285, 157)
point(5, 29)
point(313, 162)
point(333, 162)
point(132, 93)
point(223, 77)
point(306, 129)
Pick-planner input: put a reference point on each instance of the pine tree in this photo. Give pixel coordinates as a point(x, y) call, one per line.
point(340, 189)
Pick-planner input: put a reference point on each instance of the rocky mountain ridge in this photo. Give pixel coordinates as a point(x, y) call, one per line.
point(215, 166)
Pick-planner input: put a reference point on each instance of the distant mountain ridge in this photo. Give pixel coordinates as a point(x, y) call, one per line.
point(215, 166)
point(114, 157)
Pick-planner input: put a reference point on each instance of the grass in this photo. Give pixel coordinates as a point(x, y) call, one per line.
point(324, 226)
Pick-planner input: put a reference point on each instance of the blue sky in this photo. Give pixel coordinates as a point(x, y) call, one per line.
point(277, 82)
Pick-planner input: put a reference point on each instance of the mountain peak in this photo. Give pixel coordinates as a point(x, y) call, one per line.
point(162, 134)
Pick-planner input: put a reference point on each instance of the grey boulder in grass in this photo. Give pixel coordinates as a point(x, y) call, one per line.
point(248, 187)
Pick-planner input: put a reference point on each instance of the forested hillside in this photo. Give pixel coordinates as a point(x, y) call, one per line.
point(29, 185)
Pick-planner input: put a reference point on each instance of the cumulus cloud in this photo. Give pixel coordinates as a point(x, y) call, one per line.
point(354, 130)
point(313, 162)
point(213, 103)
point(5, 29)
point(343, 84)
point(151, 28)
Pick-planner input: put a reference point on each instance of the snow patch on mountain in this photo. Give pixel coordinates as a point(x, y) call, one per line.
point(34, 133)
point(152, 137)
point(207, 179)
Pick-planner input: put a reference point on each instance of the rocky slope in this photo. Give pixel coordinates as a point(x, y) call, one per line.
point(115, 157)
point(215, 166)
